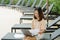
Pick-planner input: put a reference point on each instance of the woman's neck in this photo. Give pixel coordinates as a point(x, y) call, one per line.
point(37, 18)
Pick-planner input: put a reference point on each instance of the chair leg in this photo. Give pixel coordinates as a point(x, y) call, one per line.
point(11, 30)
point(52, 39)
point(43, 39)
point(15, 30)
point(20, 21)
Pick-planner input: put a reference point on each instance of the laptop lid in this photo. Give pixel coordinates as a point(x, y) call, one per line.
point(26, 32)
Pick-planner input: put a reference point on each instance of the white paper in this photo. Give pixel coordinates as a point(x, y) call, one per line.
point(19, 35)
point(34, 31)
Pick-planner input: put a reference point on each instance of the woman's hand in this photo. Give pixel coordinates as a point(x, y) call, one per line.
point(42, 31)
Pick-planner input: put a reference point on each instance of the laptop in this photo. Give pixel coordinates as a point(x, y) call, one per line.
point(26, 32)
point(30, 32)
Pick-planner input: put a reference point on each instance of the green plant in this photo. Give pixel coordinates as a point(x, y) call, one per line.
point(0, 1)
point(15, 1)
point(56, 7)
point(6, 1)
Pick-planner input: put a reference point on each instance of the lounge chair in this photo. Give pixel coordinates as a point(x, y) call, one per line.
point(49, 8)
point(54, 22)
point(27, 4)
point(46, 36)
point(27, 17)
point(22, 2)
point(22, 8)
point(52, 36)
point(29, 25)
point(4, 4)
point(10, 1)
point(28, 12)
point(17, 4)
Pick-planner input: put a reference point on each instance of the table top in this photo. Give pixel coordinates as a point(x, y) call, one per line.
point(26, 26)
point(10, 36)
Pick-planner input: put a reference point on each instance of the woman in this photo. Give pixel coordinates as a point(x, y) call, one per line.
point(38, 22)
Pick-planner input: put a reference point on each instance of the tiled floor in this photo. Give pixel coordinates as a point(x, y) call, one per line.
point(8, 18)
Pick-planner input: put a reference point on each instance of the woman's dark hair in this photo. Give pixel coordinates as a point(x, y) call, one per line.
point(40, 13)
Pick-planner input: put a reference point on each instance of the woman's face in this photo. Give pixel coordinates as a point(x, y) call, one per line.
point(36, 13)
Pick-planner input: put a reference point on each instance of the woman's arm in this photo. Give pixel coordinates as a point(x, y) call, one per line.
point(42, 27)
point(33, 24)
